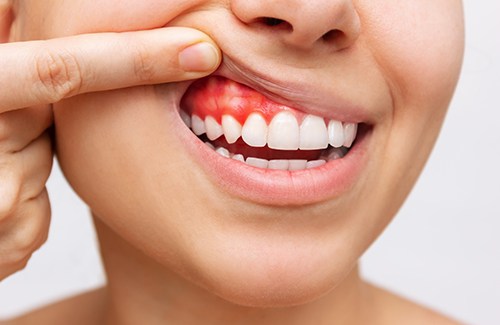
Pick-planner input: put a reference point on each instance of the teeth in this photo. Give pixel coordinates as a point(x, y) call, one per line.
point(315, 163)
point(350, 130)
point(208, 144)
point(297, 164)
point(214, 130)
point(197, 125)
point(336, 134)
point(239, 157)
point(223, 152)
point(313, 133)
point(283, 132)
point(185, 118)
point(231, 128)
point(257, 162)
point(281, 164)
point(254, 131)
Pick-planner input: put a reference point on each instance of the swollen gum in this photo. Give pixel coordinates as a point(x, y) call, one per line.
point(217, 96)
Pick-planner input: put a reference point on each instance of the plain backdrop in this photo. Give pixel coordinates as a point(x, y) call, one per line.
point(442, 250)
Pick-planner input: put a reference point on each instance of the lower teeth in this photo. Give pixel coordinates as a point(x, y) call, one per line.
point(283, 164)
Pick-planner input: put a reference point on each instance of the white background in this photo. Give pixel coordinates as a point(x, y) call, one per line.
point(442, 250)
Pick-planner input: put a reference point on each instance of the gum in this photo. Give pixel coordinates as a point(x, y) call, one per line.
point(217, 96)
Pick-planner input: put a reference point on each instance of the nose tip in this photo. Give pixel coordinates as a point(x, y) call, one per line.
point(302, 24)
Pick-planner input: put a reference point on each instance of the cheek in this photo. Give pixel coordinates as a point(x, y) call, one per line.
point(111, 137)
point(117, 152)
point(419, 44)
point(65, 18)
point(419, 47)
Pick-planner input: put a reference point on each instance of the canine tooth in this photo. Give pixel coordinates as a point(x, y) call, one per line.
point(214, 130)
point(283, 132)
point(210, 145)
point(315, 163)
point(238, 157)
point(231, 128)
point(223, 152)
point(281, 164)
point(185, 118)
point(297, 164)
point(335, 133)
point(197, 125)
point(313, 133)
point(257, 162)
point(350, 130)
point(254, 131)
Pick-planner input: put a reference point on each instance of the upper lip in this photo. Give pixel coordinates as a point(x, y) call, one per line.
point(295, 95)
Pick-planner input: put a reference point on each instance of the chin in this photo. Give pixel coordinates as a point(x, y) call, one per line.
point(273, 289)
point(272, 273)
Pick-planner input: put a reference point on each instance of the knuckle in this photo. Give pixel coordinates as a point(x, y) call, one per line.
point(14, 259)
point(41, 239)
point(37, 172)
point(26, 242)
point(30, 237)
point(10, 189)
point(144, 64)
point(22, 263)
point(27, 235)
point(23, 241)
point(13, 263)
point(58, 75)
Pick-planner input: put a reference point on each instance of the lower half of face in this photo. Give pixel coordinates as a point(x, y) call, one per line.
point(266, 181)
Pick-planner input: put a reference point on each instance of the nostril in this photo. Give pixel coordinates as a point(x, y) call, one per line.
point(270, 21)
point(274, 22)
point(333, 35)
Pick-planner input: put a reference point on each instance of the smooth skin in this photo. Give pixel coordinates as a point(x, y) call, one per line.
point(177, 249)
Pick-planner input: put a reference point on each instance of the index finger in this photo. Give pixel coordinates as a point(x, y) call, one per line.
point(43, 72)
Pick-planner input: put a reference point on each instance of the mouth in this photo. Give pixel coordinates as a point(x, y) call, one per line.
point(268, 152)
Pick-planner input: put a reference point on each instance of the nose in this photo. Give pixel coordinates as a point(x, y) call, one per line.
point(302, 23)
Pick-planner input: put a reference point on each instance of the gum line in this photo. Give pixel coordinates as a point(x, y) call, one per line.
point(218, 96)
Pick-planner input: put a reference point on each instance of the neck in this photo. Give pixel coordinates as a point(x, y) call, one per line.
point(141, 291)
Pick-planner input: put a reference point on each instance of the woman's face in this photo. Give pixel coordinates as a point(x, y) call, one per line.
point(252, 235)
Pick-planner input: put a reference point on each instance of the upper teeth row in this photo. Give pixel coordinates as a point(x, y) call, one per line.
point(283, 133)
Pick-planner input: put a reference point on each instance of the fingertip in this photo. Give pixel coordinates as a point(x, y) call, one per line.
point(200, 57)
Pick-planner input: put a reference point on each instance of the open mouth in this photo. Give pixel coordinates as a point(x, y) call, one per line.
point(242, 124)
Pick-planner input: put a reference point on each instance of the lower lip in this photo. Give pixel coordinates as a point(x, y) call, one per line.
point(278, 187)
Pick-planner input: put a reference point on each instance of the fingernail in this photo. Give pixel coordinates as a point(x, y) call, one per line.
point(199, 57)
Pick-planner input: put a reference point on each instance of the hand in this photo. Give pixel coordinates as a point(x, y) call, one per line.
point(36, 74)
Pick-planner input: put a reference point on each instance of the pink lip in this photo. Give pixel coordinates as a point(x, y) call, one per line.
point(276, 187)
